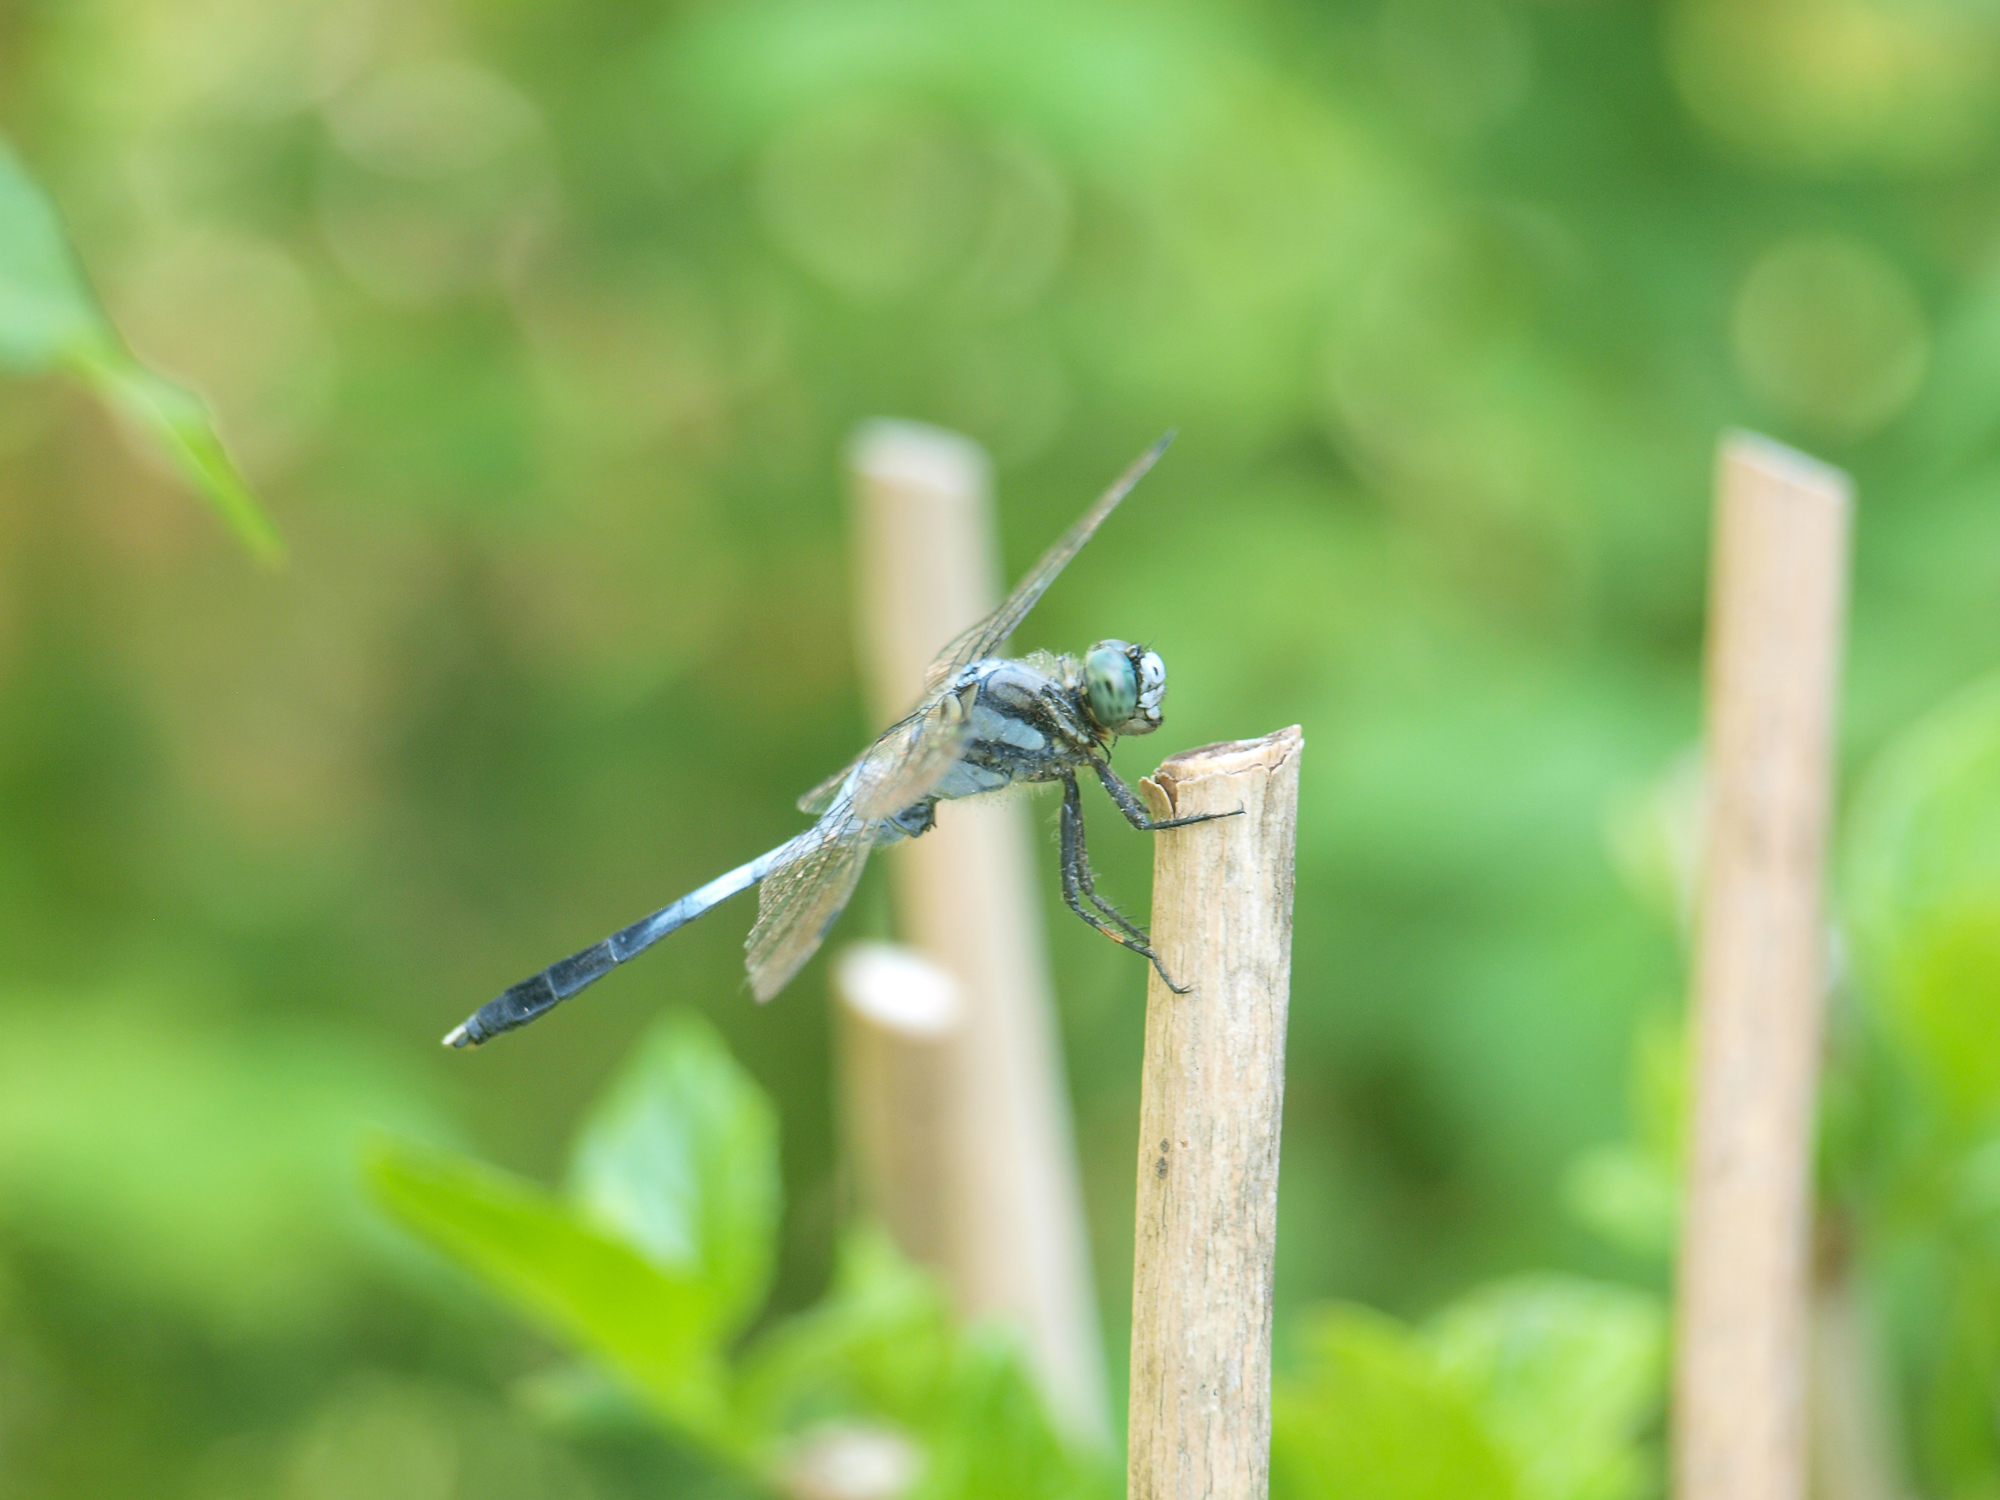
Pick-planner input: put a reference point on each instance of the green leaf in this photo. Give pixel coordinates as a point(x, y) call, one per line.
point(181, 424)
point(50, 320)
point(995, 1441)
point(680, 1159)
point(47, 313)
point(1624, 1194)
point(883, 1347)
point(581, 1285)
point(1371, 1416)
point(1630, 1191)
point(1923, 888)
point(1569, 1374)
point(880, 1344)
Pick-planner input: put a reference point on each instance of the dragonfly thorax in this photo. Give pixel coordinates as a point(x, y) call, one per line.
point(1122, 687)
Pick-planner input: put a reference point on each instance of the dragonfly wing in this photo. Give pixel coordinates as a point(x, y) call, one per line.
point(989, 634)
point(797, 903)
point(820, 798)
point(904, 765)
point(904, 730)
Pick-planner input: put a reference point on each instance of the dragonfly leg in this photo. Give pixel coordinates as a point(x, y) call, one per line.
point(1135, 810)
point(1086, 879)
point(918, 819)
point(1078, 885)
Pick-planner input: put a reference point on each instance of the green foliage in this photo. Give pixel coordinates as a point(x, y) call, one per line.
point(662, 1251)
point(1568, 1374)
point(1540, 1388)
point(884, 1344)
point(1372, 1416)
point(126, 1120)
point(1914, 1097)
point(178, 421)
point(49, 320)
point(1629, 1191)
point(47, 312)
point(1923, 867)
point(993, 1441)
point(1909, 1210)
point(680, 1158)
point(880, 1342)
point(586, 1287)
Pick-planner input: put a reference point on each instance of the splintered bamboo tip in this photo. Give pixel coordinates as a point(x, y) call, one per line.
point(1223, 758)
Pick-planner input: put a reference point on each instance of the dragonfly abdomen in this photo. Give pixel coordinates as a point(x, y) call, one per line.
point(521, 1003)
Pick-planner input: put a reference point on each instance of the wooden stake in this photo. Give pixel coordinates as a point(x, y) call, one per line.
point(1853, 1448)
point(898, 1015)
point(1209, 1114)
point(966, 896)
point(1776, 606)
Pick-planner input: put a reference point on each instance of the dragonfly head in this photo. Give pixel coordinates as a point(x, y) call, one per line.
point(1123, 685)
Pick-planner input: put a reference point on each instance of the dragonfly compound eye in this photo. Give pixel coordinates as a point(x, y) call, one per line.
point(1110, 684)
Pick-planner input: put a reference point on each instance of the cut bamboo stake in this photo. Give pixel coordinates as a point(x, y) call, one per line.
point(1209, 1112)
point(1853, 1443)
point(898, 1015)
point(965, 894)
point(1776, 606)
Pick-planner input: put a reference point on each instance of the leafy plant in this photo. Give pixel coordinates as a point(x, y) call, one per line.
point(1372, 1414)
point(1923, 888)
point(660, 1254)
point(50, 320)
point(1908, 1250)
point(1913, 1118)
point(1535, 1388)
point(1568, 1374)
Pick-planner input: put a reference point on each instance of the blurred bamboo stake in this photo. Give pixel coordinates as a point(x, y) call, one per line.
point(1209, 1114)
point(1014, 1240)
point(1777, 595)
point(850, 1461)
point(1849, 1411)
point(899, 1014)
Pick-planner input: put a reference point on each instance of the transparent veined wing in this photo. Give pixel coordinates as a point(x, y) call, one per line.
point(904, 765)
point(796, 904)
point(901, 741)
point(800, 898)
point(820, 798)
point(989, 634)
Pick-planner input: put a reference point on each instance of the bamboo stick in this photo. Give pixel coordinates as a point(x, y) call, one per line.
point(898, 1015)
point(1014, 1242)
point(1853, 1447)
point(1210, 1106)
point(1776, 605)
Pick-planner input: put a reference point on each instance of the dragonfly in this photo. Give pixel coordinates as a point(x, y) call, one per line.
point(984, 724)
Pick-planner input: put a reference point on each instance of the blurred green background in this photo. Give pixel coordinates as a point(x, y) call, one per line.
point(540, 327)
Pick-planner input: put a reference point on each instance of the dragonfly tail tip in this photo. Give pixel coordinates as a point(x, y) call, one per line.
point(457, 1037)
